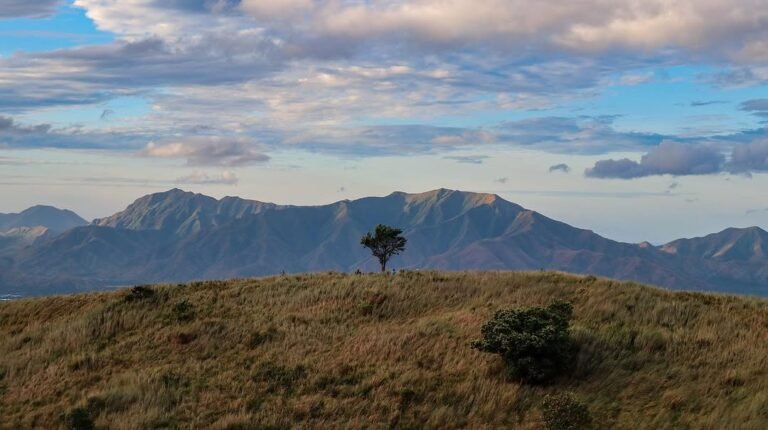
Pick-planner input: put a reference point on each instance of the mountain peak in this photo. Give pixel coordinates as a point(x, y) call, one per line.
point(52, 218)
point(174, 193)
point(753, 229)
point(731, 244)
point(445, 193)
point(180, 212)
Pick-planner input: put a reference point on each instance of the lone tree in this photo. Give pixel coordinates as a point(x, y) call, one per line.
point(384, 243)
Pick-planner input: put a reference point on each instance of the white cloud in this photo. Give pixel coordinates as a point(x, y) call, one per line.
point(208, 151)
point(200, 178)
point(669, 158)
point(272, 9)
point(315, 73)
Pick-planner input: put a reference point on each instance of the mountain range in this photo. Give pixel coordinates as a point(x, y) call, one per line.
point(178, 236)
point(35, 224)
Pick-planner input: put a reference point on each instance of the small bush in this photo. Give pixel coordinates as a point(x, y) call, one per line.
point(78, 419)
point(565, 412)
point(534, 343)
point(139, 293)
point(183, 311)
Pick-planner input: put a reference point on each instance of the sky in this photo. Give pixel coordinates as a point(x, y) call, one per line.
point(640, 120)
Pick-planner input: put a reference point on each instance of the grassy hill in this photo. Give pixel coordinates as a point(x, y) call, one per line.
point(373, 351)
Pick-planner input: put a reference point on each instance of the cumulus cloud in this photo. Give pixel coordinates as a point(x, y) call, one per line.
point(750, 157)
point(200, 178)
point(669, 158)
point(562, 167)
point(208, 151)
point(711, 28)
point(595, 25)
point(681, 159)
point(308, 73)
point(211, 42)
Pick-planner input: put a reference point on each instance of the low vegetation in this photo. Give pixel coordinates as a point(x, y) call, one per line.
point(564, 412)
point(534, 342)
point(378, 351)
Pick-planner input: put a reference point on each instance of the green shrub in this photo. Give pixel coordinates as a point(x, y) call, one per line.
point(78, 419)
point(534, 343)
point(565, 412)
point(183, 311)
point(138, 293)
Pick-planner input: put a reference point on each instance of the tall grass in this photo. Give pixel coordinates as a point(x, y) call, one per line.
point(376, 351)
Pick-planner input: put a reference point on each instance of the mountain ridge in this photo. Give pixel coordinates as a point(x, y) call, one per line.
point(53, 218)
point(178, 236)
point(34, 225)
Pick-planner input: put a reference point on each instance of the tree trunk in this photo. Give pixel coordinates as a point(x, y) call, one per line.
point(383, 263)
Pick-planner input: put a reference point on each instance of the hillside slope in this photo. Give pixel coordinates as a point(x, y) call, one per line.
point(373, 351)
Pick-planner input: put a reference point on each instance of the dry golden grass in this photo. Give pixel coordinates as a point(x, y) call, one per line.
point(376, 351)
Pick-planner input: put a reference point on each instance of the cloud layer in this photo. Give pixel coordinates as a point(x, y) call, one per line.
point(208, 151)
point(27, 9)
point(684, 159)
point(227, 82)
point(200, 178)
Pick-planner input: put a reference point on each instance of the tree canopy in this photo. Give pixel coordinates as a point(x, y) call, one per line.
point(384, 243)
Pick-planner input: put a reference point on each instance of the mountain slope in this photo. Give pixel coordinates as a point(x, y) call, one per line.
point(34, 225)
point(737, 257)
point(55, 220)
point(733, 244)
point(178, 236)
point(19, 237)
point(372, 351)
point(181, 213)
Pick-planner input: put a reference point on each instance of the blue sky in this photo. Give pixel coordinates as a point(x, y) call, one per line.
point(64, 27)
point(654, 111)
